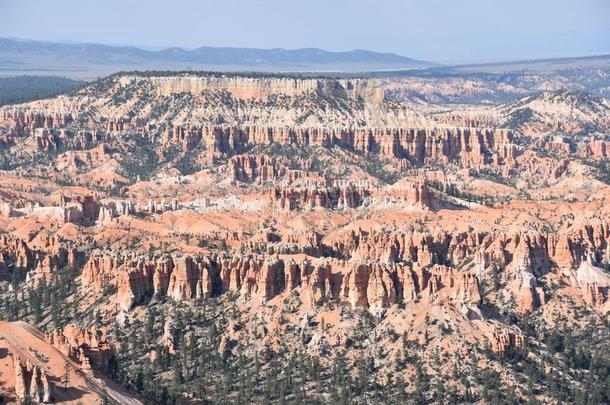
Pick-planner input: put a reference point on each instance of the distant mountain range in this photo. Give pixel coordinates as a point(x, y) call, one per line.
point(19, 56)
point(88, 61)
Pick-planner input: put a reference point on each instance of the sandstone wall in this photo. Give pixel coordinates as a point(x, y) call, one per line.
point(89, 348)
point(374, 286)
point(261, 88)
point(470, 147)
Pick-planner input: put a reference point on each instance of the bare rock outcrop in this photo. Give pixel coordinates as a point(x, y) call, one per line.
point(31, 382)
point(311, 197)
point(365, 285)
point(470, 147)
point(503, 339)
point(594, 284)
point(89, 348)
point(24, 123)
point(413, 193)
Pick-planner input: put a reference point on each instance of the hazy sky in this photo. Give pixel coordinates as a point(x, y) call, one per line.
point(438, 30)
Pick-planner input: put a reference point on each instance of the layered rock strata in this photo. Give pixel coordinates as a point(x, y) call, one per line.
point(90, 347)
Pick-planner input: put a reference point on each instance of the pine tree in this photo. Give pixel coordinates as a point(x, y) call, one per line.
point(177, 377)
point(164, 398)
point(149, 330)
point(65, 376)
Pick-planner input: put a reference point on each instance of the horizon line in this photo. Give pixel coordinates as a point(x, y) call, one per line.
point(440, 62)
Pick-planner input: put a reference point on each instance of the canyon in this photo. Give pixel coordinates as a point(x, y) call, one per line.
point(170, 231)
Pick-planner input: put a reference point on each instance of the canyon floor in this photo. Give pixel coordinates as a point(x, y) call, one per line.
point(201, 238)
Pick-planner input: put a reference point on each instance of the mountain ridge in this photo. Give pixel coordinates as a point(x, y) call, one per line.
point(17, 55)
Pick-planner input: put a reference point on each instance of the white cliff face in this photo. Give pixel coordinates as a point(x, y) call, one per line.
point(232, 100)
point(245, 88)
point(589, 274)
point(262, 88)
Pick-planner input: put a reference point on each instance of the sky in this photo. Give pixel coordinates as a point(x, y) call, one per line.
point(435, 30)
